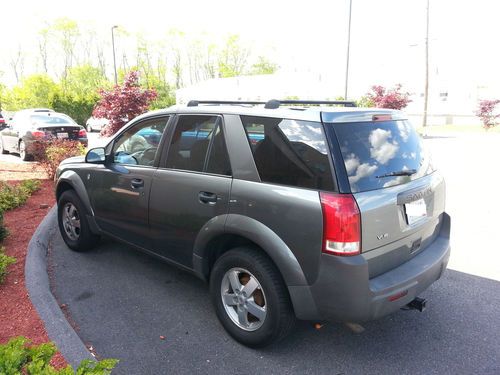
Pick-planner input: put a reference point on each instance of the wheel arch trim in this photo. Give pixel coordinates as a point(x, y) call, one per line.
point(255, 232)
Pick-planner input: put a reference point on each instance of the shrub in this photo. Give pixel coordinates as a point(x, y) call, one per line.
point(3, 231)
point(51, 153)
point(12, 196)
point(486, 112)
point(5, 261)
point(78, 108)
point(388, 98)
point(18, 357)
point(123, 103)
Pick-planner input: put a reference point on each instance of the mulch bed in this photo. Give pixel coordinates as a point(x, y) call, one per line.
point(18, 317)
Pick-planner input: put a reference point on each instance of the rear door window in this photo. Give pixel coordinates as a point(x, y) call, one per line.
point(198, 145)
point(380, 154)
point(289, 152)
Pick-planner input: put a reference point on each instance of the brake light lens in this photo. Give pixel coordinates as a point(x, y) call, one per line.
point(382, 117)
point(38, 133)
point(82, 133)
point(341, 224)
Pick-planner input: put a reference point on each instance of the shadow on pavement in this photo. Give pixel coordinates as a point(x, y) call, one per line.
point(122, 301)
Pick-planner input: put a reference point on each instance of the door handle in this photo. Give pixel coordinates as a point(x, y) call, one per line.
point(207, 197)
point(137, 183)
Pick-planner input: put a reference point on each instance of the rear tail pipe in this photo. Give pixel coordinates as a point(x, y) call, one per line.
point(417, 304)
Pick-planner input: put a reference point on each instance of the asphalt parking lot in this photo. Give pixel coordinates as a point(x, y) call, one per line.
point(122, 301)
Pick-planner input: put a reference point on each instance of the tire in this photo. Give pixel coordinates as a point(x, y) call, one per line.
point(22, 151)
point(269, 300)
point(2, 149)
point(73, 223)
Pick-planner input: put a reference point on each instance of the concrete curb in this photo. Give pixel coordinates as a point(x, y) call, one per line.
point(37, 283)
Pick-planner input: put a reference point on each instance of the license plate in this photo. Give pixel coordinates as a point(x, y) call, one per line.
point(62, 135)
point(415, 211)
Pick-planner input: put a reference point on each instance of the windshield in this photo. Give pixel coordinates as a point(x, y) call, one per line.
point(381, 154)
point(51, 120)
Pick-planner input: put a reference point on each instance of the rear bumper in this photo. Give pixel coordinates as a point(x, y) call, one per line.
point(344, 292)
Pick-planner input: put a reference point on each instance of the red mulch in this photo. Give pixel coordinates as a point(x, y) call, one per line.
point(18, 317)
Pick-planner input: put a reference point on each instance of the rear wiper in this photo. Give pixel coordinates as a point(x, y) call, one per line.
point(406, 172)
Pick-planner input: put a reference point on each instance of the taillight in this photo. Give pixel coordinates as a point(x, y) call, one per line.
point(37, 133)
point(82, 133)
point(341, 224)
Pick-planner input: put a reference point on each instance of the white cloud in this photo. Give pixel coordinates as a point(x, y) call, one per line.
point(382, 149)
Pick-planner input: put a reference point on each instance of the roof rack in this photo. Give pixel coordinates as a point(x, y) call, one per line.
point(273, 103)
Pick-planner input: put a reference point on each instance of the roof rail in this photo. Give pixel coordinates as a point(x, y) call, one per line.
point(195, 103)
point(273, 103)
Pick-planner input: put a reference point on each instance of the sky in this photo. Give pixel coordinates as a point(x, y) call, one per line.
point(387, 41)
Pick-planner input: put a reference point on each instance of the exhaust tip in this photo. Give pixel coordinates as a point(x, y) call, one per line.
point(419, 304)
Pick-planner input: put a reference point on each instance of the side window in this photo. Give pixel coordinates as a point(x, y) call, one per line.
point(138, 145)
point(218, 159)
point(198, 145)
point(289, 152)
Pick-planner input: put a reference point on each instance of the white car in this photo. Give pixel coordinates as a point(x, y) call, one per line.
point(96, 124)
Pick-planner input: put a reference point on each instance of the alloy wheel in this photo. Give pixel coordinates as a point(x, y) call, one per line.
point(71, 221)
point(243, 299)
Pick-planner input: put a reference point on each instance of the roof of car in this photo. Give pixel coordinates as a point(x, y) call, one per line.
point(310, 113)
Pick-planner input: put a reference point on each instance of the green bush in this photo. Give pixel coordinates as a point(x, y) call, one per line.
point(5, 261)
point(12, 196)
point(78, 108)
point(18, 357)
point(3, 231)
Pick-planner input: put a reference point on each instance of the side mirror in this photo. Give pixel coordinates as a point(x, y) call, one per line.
point(96, 156)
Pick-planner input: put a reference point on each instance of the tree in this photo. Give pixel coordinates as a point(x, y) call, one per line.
point(43, 42)
point(388, 98)
point(233, 58)
point(263, 66)
point(122, 103)
point(486, 112)
point(17, 64)
point(34, 91)
point(78, 93)
point(67, 32)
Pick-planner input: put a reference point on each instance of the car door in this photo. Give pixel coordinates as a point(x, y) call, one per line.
point(191, 187)
point(119, 190)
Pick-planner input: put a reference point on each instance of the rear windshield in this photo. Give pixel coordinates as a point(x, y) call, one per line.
point(50, 120)
point(382, 154)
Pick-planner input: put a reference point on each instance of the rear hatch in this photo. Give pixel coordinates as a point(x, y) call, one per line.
point(400, 196)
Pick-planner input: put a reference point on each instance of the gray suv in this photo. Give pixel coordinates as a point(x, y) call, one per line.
point(287, 210)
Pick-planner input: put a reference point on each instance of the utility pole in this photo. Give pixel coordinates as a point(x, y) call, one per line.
point(348, 48)
point(114, 55)
point(426, 88)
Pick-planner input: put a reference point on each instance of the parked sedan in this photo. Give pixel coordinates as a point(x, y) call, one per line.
point(29, 126)
point(96, 124)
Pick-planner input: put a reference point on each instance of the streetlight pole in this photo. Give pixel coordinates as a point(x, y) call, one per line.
point(426, 88)
point(348, 48)
point(114, 55)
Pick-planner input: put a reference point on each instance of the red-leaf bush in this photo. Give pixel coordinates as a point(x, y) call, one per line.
point(50, 153)
point(486, 112)
point(122, 103)
point(388, 98)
